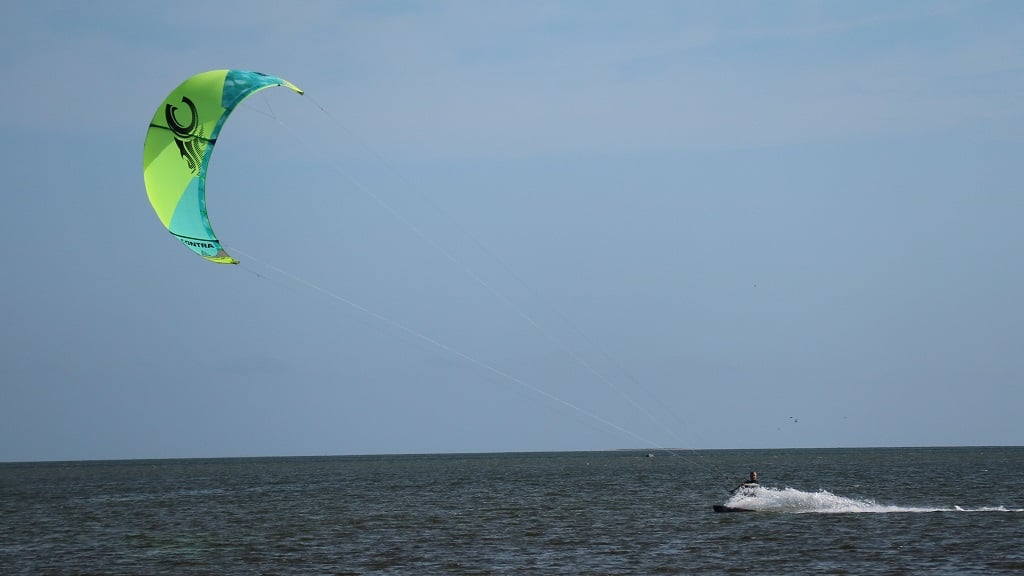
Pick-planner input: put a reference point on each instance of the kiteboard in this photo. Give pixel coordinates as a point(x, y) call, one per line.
point(721, 508)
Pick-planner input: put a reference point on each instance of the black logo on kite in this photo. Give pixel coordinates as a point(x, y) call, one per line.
point(195, 244)
point(189, 138)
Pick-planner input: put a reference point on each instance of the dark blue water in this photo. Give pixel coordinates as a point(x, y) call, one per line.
point(844, 511)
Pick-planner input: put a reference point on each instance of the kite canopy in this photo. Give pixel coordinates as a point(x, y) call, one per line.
point(178, 146)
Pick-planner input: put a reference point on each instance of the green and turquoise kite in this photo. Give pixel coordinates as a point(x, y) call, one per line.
point(178, 146)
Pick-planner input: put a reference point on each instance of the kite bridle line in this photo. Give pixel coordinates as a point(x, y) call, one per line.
point(445, 347)
point(480, 281)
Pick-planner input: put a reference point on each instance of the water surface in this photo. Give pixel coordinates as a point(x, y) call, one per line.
point(842, 511)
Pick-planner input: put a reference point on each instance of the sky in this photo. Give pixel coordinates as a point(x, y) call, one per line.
point(518, 226)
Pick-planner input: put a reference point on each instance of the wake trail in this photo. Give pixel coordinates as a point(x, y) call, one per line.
point(793, 501)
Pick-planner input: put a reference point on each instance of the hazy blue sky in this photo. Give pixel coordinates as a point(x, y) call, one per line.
point(518, 226)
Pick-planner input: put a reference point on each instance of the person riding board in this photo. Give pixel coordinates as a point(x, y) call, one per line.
point(749, 483)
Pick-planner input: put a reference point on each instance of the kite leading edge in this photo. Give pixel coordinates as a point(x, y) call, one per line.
point(178, 146)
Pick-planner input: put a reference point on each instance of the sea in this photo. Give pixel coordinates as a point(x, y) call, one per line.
point(860, 511)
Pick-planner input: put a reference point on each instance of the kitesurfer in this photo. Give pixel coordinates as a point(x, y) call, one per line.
point(749, 483)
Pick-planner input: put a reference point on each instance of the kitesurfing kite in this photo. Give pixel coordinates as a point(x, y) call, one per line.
point(178, 146)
